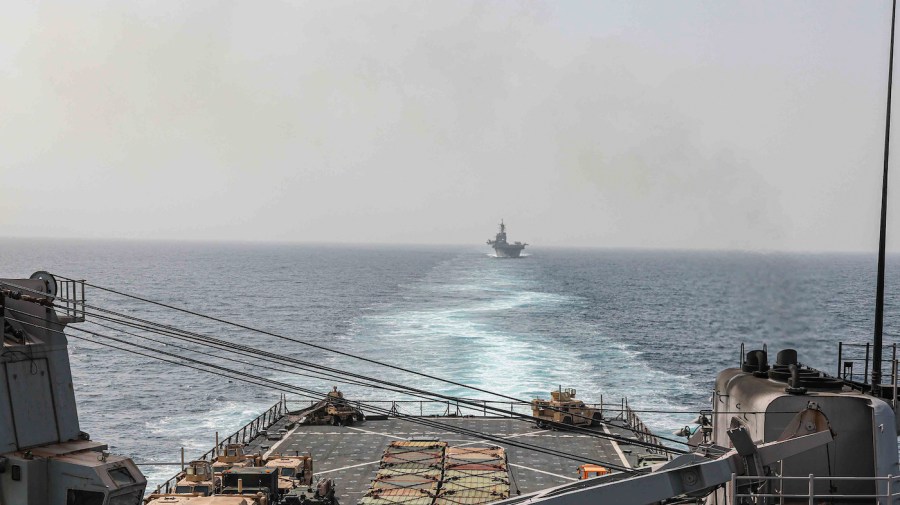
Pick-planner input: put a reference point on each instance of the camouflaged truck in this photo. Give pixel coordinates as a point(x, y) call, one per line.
point(197, 479)
point(564, 409)
point(233, 457)
point(334, 410)
point(295, 471)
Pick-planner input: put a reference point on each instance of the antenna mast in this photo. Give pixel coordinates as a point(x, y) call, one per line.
point(879, 296)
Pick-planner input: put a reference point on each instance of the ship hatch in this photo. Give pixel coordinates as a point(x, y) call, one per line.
point(32, 400)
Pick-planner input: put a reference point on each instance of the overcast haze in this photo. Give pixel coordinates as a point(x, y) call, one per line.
point(715, 125)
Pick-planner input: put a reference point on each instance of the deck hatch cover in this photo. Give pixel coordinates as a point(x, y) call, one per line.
point(32, 402)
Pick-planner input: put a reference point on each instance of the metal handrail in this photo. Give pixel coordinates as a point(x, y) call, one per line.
point(70, 299)
point(447, 408)
point(640, 430)
point(851, 354)
point(893, 491)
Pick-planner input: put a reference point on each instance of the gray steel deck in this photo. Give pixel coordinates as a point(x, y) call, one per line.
point(350, 454)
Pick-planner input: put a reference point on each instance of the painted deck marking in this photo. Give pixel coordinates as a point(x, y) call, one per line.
point(618, 449)
point(504, 438)
point(348, 467)
point(374, 433)
point(286, 438)
point(541, 471)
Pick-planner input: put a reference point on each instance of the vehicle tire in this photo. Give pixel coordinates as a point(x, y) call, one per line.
point(568, 420)
point(596, 419)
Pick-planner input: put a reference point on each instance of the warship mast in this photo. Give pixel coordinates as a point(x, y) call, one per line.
point(879, 290)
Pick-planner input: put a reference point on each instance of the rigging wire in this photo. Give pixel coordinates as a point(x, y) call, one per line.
point(259, 363)
point(205, 340)
point(465, 401)
point(328, 349)
point(192, 336)
point(428, 395)
point(298, 341)
point(285, 387)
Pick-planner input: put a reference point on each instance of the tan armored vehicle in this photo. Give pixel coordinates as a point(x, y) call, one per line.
point(197, 480)
point(334, 409)
point(563, 408)
point(338, 409)
point(296, 471)
point(233, 457)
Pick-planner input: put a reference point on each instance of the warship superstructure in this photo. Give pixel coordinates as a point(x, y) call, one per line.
point(45, 458)
point(504, 249)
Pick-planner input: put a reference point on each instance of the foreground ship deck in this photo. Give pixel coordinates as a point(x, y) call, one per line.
point(351, 454)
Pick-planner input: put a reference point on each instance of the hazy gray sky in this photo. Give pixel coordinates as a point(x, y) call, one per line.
point(748, 125)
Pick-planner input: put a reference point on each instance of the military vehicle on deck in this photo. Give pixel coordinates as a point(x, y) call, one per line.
point(564, 409)
point(260, 481)
point(295, 471)
point(334, 410)
point(233, 457)
point(198, 479)
point(323, 494)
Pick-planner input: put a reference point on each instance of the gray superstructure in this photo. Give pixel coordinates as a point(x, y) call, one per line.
point(45, 458)
point(504, 249)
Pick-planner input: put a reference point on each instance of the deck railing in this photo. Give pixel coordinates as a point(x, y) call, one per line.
point(70, 300)
point(855, 367)
point(889, 490)
point(487, 408)
point(855, 361)
point(640, 430)
point(243, 435)
point(444, 408)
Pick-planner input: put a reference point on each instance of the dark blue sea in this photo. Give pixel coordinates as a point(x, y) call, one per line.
point(655, 326)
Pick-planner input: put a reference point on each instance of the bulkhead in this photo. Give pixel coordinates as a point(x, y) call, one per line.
point(765, 400)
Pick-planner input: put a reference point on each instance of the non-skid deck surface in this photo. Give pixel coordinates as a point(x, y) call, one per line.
point(350, 454)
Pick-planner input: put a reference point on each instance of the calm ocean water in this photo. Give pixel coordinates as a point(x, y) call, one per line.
point(652, 326)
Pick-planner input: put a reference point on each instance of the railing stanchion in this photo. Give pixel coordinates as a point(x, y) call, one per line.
point(894, 381)
point(866, 368)
point(840, 353)
point(893, 358)
point(734, 487)
point(812, 490)
point(890, 478)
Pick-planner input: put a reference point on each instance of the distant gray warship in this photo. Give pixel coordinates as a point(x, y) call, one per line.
point(503, 248)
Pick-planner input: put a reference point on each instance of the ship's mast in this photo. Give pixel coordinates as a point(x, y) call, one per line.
point(879, 295)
